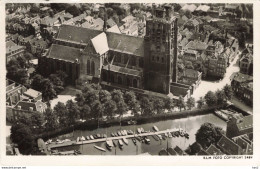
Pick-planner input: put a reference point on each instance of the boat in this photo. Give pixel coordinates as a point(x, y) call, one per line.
point(155, 137)
point(76, 152)
point(98, 136)
point(177, 133)
point(155, 128)
point(131, 122)
point(119, 133)
point(122, 132)
point(163, 137)
point(186, 135)
point(104, 136)
point(91, 137)
point(125, 132)
point(100, 148)
point(221, 115)
point(159, 136)
point(87, 137)
point(116, 135)
point(166, 135)
point(95, 136)
point(66, 140)
point(173, 135)
point(112, 134)
point(139, 139)
point(109, 144)
point(130, 132)
point(82, 138)
point(139, 130)
point(134, 141)
point(114, 143)
point(120, 143)
point(101, 135)
point(142, 130)
point(125, 141)
point(77, 139)
point(170, 135)
point(181, 133)
point(147, 140)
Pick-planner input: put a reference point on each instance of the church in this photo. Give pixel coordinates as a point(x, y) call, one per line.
point(144, 65)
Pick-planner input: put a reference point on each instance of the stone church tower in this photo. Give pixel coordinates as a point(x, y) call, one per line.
point(160, 51)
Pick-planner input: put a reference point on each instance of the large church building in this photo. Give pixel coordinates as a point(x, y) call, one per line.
point(144, 65)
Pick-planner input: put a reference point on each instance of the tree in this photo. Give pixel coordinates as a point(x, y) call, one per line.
point(22, 62)
point(168, 104)
point(158, 105)
point(37, 119)
point(58, 84)
point(110, 108)
point(61, 112)
point(48, 92)
point(36, 83)
point(221, 97)
point(181, 103)
point(208, 134)
point(73, 112)
point(34, 9)
point(85, 112)
point(210, 98)
point(228, 91)
point(50, 119)
point(80, 99)
point(189, 65)
point(104, 96)
point(190, 103)
point(62, 75)
point(200, 102)
point(117, 96)
point(132, 103)
point(91, 96)
point(22, 77)
point(73, 10)
point(96, 109)
point(194, 148)
point(146, 106)
point(22, 135)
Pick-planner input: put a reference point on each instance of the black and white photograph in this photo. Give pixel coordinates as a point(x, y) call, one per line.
point(129, 79)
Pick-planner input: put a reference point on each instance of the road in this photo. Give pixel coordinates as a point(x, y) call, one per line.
point(206, 86)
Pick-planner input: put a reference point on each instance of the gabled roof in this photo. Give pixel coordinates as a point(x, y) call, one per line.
point(246, 123)
point(213, 150)
point(77, 34)
point(32, 93)
point(36, 106)
point(188, 7)
point(120, 42)
point(230, 147)
point(203, 8)
point(100, 43)
point(64, 53)
point(197, 45)
point(179, 150)
point(114, 29)
point(111, 22)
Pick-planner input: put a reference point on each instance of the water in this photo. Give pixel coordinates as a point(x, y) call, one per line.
point(191, 125)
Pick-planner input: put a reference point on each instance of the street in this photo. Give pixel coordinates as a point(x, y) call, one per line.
point(206, 86)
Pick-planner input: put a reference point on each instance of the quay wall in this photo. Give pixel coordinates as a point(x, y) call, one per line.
point(93, 124)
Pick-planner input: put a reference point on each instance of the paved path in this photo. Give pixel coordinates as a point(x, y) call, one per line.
point(74, 142)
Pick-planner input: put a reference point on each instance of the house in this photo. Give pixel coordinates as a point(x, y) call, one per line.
point(179, 151)
point(14, 92)
point(246, 64)
point(24, 108)
point(242, 85)
point(229, 147)
point(13, 51)
point(239, 125)
point(33, 94)
point(190, 77)
point(213, 150)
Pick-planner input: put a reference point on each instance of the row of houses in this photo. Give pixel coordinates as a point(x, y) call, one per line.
point(21, 101)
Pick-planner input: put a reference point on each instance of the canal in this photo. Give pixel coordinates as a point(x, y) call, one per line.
point(190, 124)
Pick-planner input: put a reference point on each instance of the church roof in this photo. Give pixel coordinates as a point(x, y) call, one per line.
point(100, 43)
point(77, 34)
point(64, 53)
point(126, 44)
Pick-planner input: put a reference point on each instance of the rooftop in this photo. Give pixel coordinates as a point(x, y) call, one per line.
point(122, 70)
point(64, 53)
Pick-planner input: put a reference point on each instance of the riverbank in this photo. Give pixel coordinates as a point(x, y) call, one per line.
point(94, 124)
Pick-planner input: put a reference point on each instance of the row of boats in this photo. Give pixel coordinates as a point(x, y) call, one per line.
point(91, 137)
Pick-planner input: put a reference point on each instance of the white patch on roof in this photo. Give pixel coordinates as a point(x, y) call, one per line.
point(100, 43)
point(114, 29)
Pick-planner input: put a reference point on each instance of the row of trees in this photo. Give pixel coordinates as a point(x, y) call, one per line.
point(96, 103)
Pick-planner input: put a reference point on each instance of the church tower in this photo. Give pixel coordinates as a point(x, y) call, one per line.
point(160, 51)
